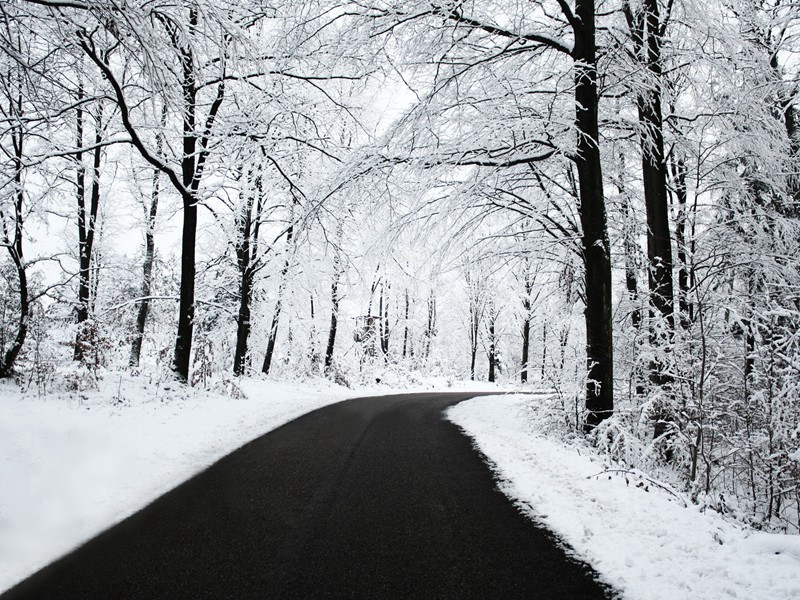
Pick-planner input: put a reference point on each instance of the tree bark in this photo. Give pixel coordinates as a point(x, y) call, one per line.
point(526, 340)
point(492, 347)
point(244, 260)
point(595, 244)
point(337, 272)
point(149, 253)
point(383, 311)
point(14, 246)
point(405, 325)
point(273, 330)
point(685, 307)
point(87, 222)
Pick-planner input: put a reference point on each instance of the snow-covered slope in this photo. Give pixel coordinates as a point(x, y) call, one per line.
point(643, 540)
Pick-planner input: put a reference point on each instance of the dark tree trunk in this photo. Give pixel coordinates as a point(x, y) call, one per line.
point(240, 357)
point(334, 313)
point(430, 326)
point(245, 256)
point(492, 348)
point(246, 253)
point(544, 349)
point(87, 223)
point(383, 322)
point(181, 361)
point(526, 323)
point(526, 339)
point(405, 326)
point(474, 329)
point(645, 30)
point(149, 253)
point(183, 341)
point(595, 244)
point(14, 246)
point(273, 330)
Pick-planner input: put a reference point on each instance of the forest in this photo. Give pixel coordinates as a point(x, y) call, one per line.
point(597, 198)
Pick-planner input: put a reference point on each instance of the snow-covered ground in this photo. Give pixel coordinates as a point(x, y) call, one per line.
point(645, 541)
point(71, 465)
point(70, 468)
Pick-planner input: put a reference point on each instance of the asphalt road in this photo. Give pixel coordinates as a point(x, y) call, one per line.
point(369, 498)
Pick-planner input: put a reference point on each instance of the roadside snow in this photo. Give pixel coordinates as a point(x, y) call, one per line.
point(73, 465)
point(641, 540)
point(71, 468)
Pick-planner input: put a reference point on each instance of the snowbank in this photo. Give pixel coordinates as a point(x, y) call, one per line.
point(642, 540)
point(71, 468)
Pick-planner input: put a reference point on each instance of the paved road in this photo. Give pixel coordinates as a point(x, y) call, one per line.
point(370, 498)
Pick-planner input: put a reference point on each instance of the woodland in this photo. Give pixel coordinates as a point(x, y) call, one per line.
point(596, 198)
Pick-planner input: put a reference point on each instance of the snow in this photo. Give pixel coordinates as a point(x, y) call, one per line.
point(647, 542)
point(71, 467)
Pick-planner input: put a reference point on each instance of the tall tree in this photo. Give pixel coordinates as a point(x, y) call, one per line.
point(150, 214)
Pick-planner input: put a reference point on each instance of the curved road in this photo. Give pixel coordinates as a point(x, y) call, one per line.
point(368, 498)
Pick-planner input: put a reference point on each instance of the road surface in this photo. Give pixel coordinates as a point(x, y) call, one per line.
point(369, 498)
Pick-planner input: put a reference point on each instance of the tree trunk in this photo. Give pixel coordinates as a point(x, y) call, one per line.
point(492, 349)
point(183, 341)
point(685, 308)
point(149, 253)
point(273, 330)
point(595, 244)
point(631, 247)
point(544, 349)
point(430, 327)
point(405, 326)
point(334, 312)
point(646, 33)
point(383, 311)
point(526, 338)
point(14, 246)
point(87, 222)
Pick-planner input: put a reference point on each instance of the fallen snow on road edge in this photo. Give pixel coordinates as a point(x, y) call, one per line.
point(645, 542)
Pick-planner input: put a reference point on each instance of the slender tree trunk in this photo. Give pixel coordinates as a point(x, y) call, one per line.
point(430, 327)
point(80, 196)
point(405, 326)
point(383, 322)
point(87, 224)
point(14, 246)
point(685, 308)
point(631, 247)
point(244, 259)
point(595, 244)
point(273, 330)
point(526, 323)
point(337, 273)
point(149, 253)
point(492, 347)
point(240, 357)
point(526, 340)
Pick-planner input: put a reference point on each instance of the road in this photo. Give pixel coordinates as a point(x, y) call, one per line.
point(368, 498)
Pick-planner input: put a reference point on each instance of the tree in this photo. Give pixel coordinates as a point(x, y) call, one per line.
point(484, 43)
point(12, 110)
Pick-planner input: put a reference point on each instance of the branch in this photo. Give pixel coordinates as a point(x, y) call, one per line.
point(61, 4)
point(87, 44)
point(537, 38)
